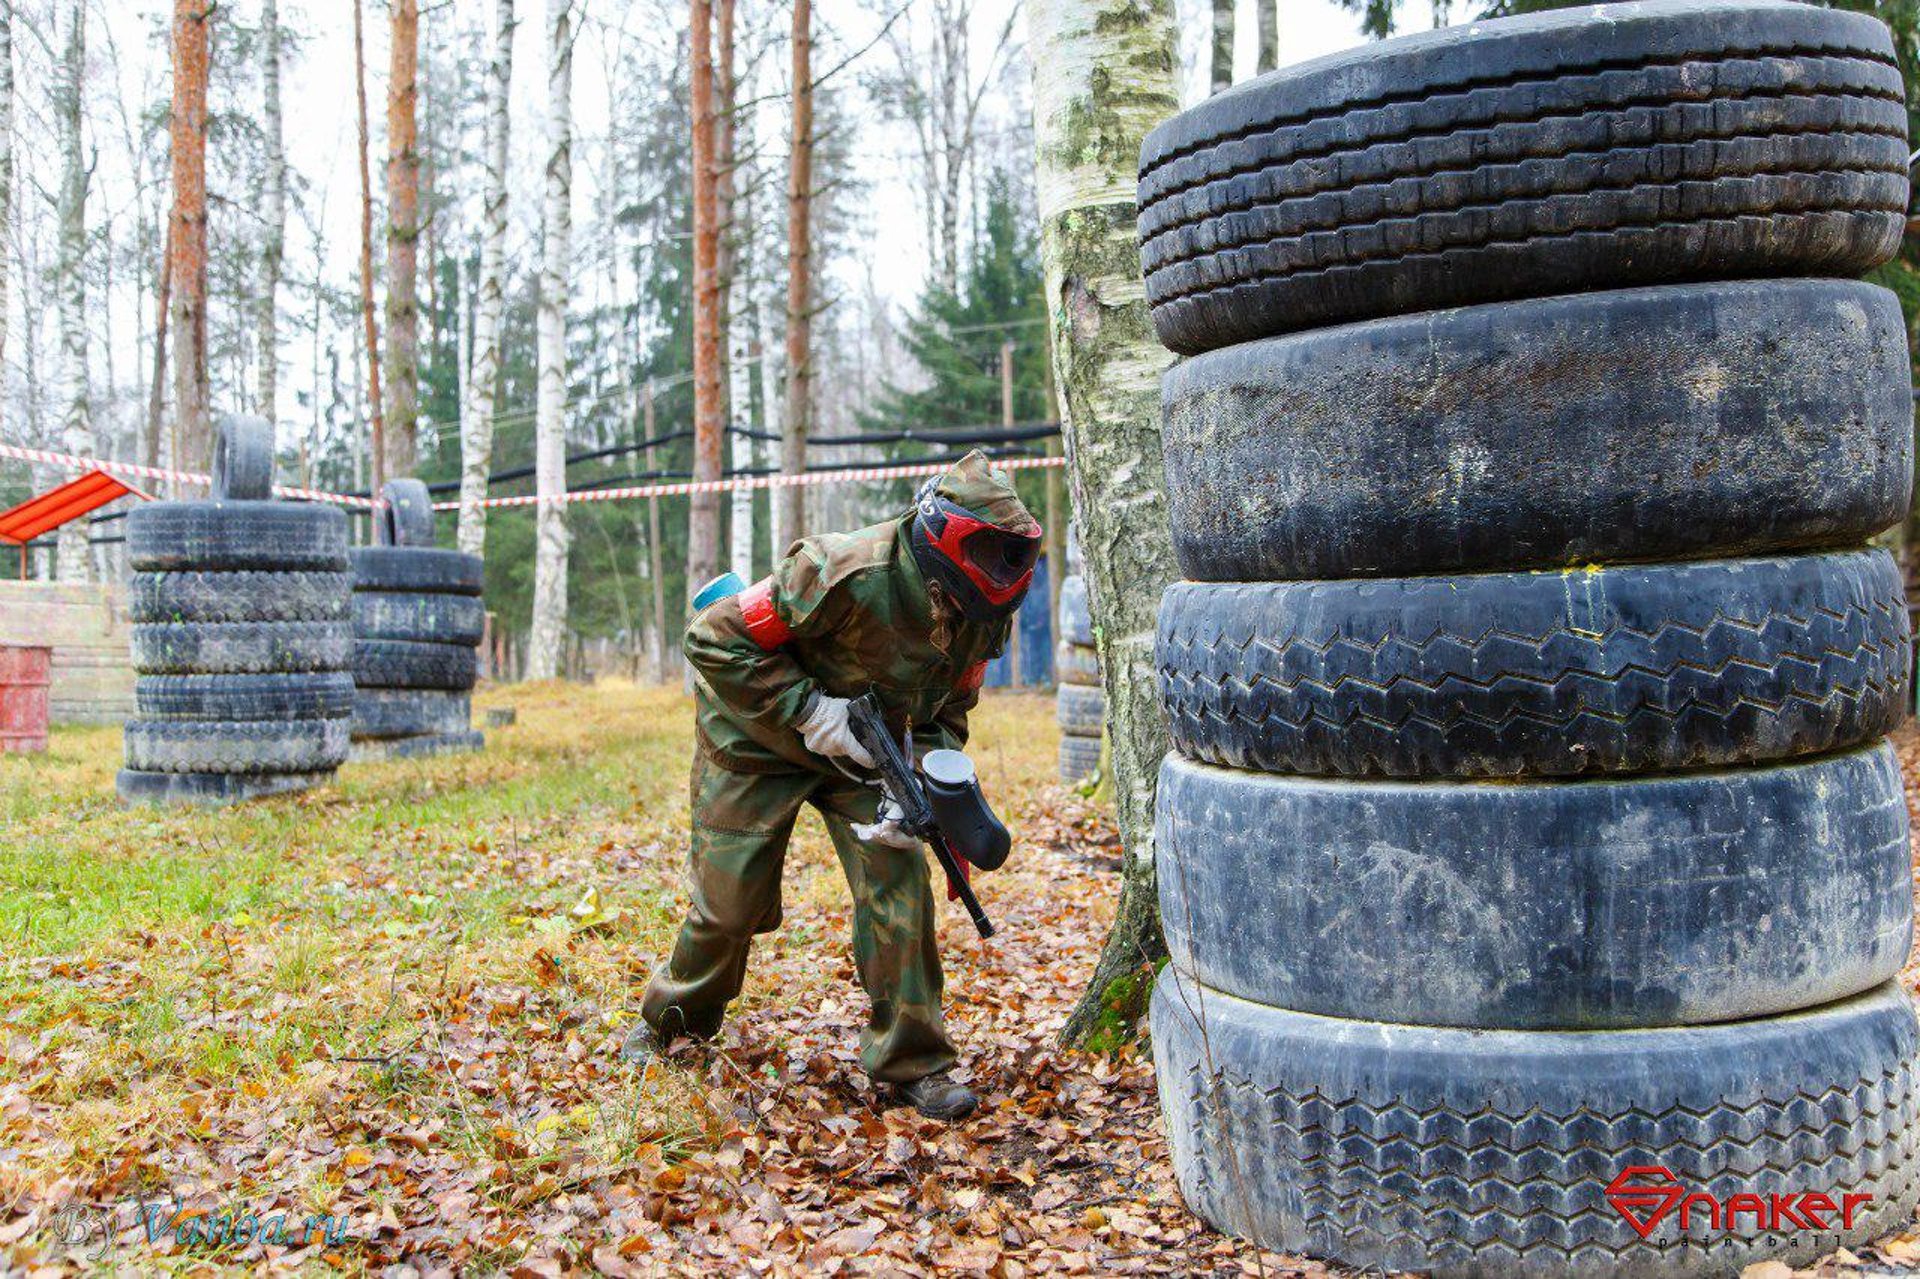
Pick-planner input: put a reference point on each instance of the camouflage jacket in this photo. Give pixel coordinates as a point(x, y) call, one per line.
point(853, 613)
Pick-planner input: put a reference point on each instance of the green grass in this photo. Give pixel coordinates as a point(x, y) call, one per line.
point(405, 949)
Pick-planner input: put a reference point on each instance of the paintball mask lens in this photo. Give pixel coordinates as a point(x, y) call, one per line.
point(1005, 559)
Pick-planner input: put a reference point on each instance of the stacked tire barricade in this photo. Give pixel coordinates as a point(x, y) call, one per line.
point(241, 637)
point(1534, 867)
point(1079, 702)
point(418, 620)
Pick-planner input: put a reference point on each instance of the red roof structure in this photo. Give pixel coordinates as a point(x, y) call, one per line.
point(43, 514)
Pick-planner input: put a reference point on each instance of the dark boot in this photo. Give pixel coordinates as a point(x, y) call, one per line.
point(937, 1096)
point(643, 1044)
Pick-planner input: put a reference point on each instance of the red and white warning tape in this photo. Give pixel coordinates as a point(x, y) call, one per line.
point(195, 478)
point(679, 488)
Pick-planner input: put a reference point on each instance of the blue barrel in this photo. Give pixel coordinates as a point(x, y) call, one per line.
point(718, 589)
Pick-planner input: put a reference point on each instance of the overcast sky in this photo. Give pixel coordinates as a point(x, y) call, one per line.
point(320, 115)
point(128, 65)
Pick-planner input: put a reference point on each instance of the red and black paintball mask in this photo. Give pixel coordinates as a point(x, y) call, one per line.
point(972, 535)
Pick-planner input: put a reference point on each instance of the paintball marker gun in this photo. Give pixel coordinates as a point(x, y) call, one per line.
point(942, 804)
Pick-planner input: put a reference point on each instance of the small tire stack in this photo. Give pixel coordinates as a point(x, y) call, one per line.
point(1533, 865)
point(241, 638)
point(1079, 702)
point(418, 619)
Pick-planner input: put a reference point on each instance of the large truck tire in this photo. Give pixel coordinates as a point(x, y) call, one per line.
point(1647, 424)
point(424, 619)
point(328, 695)
point(240, 648)
point(272, 746)
point(405, 664)
point(249, 595)
point(1635, 668)
point(1597, 905)
point(1587, 148)
point(1081, 709)
point(226, 536)
point(210, 790)
point(1500, 1154)
point(417, 570)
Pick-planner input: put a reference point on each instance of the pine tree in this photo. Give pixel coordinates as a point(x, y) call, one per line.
point(955, 338)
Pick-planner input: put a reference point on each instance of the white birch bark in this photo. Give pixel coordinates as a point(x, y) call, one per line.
point(551, 538)
point(1103, 76)
point(6, 171)
point(273, 213)
point(740, 385)
point(476, 435)
point(73, 562)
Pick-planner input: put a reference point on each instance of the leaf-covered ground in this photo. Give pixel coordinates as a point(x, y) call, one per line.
point(394, 1004)
point(377, 1023)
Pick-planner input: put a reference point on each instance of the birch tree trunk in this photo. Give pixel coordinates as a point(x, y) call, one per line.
point(1103, 76)
point(792, 503)
point(476, 436)
point(6, 168)
point(1268, 55)
point(551, 538)
point(71, 557)
point(187, 236)
point(740, 394)
point(403, 240)
point(274, 214)
point(703, 509)
point(1222, 71)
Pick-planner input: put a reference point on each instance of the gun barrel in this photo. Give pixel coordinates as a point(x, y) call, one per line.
point(903, 785)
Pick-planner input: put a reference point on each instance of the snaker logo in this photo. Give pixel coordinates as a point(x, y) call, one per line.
point(1646, 1194)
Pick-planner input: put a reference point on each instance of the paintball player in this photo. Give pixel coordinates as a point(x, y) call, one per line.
point(912, 608)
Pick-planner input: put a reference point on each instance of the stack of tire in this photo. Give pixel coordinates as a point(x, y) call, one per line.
point(1079, 702)
point(241, 638)
point(418, 619)
point(1534, 867)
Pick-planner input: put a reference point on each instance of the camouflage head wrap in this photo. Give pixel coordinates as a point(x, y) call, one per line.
point(988, 493)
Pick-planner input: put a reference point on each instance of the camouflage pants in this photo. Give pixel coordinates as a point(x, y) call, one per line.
point(741, 825)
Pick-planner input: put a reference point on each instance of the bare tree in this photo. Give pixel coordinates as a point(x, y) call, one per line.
point(1267, 14)
point(792, 505)
point(72, 562)
point(402, 370)
point(273, 214)
point(769, 410)
point(187, 236)
point(703, 508)
point(377, 446)
point(1087, 127)
point(551, 538)
point(476, 436)
point(1222, 66)
point(935, 90)
point(157, 385)
point(6, 164)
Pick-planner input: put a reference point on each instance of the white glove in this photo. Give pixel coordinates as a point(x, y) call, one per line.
point(826, 731)
point(887, 831)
